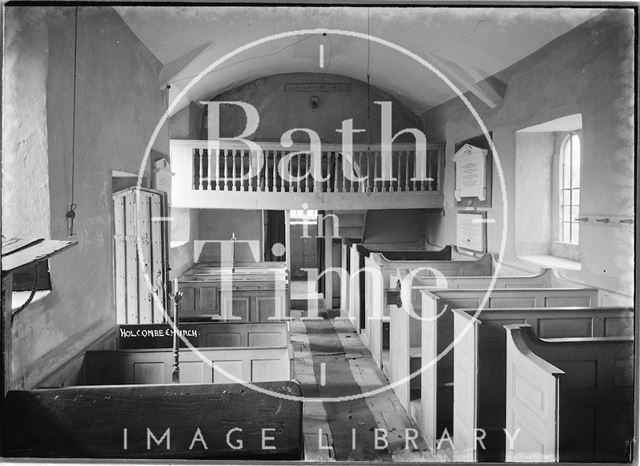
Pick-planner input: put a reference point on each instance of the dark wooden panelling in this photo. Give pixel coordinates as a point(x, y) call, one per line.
point(89, 422)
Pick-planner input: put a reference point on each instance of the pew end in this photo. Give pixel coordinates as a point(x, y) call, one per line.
point(572, 399)
point(480, 363)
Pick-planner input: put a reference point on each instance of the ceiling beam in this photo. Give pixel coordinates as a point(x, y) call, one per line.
point(468, 79)
point(172, 69)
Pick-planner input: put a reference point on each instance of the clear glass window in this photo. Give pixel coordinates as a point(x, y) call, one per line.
point(569, 227)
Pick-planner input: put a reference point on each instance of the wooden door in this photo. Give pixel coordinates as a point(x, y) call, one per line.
point(140, 255)
point(304, 250)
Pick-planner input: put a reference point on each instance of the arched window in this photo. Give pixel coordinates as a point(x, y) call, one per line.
point(569, 196)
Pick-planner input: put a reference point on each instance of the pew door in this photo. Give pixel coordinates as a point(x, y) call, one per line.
point(399, 354)
point(140, 255)
point(429, 376)
point(532, 394)
point(465, 396)
point(354, 288)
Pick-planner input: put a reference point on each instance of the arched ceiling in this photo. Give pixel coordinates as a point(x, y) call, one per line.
point(466, 44)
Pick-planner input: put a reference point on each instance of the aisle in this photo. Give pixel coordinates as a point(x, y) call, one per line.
point(330, 362)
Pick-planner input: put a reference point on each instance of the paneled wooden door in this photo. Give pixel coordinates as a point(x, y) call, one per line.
point(140, 255)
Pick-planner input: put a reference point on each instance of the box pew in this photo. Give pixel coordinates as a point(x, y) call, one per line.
point(255, 293)
point(357, 255)
point(572, 399)
point(378, 279)
point(378, 306)
point(252, 353)
point(207, 365)
point(360, 281)
point(405, 353)
point(204, 334)
point(436, 382)
point(479, 356)
point(545, 278)
point(95, 422)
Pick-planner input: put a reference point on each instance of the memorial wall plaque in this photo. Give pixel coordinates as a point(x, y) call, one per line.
point(470, 168)
point(478, 142)
point(471, 231)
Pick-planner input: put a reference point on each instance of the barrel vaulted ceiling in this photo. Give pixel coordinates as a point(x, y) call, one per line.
point(466, 44)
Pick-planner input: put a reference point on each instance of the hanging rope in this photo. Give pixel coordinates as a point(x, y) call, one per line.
point(71, 213)
point(34, 288)
point(368, 81)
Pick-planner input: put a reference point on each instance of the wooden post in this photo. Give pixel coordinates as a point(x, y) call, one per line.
point(175, 299)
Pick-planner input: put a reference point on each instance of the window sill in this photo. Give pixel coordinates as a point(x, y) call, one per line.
point(177, 244)
point(566, 245)
point(553, 262)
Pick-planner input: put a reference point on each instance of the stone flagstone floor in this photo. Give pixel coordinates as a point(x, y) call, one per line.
point(332, 429)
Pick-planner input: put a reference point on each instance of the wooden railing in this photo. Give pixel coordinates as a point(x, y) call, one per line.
point(233, 167)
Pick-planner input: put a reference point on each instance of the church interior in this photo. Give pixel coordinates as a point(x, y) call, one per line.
point(319, 233)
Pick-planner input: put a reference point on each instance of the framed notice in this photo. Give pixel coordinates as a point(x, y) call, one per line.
point(473, 168)
point(471, 232)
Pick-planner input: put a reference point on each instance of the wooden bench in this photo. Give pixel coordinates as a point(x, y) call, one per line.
point(479, 356)
point(254, 293)
point(572, 399)
point(436, 383)
point(406, 328)
point(204, 334)
point(128, 422)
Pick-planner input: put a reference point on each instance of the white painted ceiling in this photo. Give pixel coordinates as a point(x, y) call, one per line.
point(477, 42)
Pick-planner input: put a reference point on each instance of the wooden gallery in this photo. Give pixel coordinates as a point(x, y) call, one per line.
point(317, 233)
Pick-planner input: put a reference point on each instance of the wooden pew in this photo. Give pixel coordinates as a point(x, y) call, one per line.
point(479, 356)
point(265, 358)
point(377, 280)
point(405, 353)
point(357, 255)
point(254, 293)
point(443, 254)
point(154, 366)
point(351, 283)
point(545, 278)
point(204, 334)
point(436, 383)
point(572, 399)
point(482, 266)
point(93, 422)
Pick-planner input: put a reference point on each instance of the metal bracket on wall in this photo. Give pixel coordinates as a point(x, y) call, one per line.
point(606, 220)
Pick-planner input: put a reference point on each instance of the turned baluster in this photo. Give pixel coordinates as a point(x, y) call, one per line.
point(406, 170)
